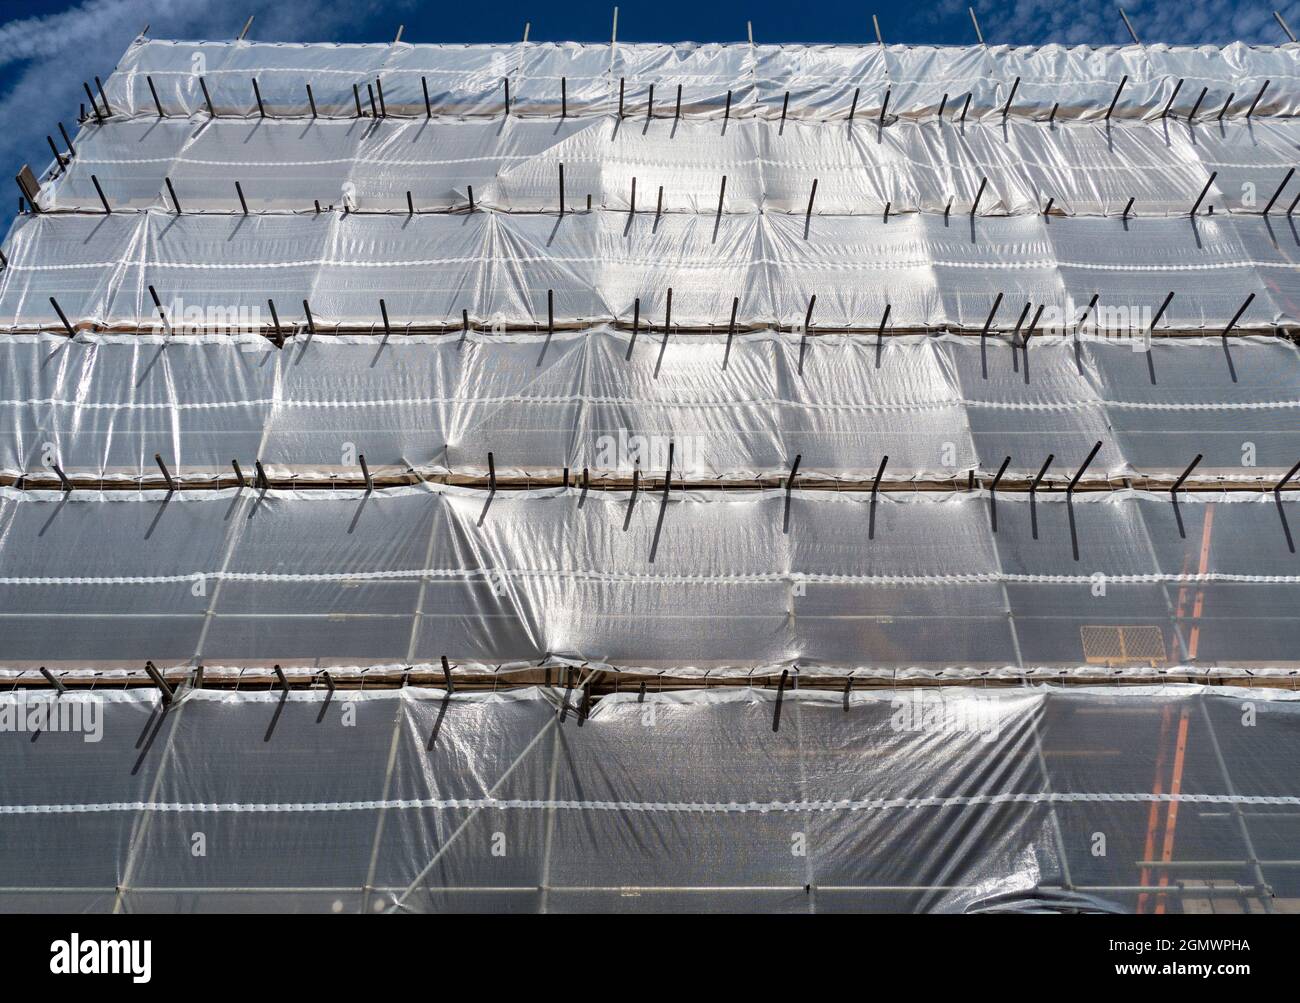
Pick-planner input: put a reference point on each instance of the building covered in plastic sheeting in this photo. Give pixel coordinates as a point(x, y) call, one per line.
point(1170, 799)
point(557, 477)
point(695, 582)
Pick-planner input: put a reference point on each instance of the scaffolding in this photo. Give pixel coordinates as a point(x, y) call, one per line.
point(550, 477)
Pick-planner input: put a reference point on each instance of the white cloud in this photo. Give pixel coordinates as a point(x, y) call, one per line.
point(51, 55)
point(1097, 22)
point(92, 23)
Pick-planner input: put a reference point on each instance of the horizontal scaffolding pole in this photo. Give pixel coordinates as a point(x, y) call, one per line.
point(1220, 890)
point(1024, 482)
point(718, 107)
point(407, 208)
point(1192, 891)
point(457, 327)
point(326, 679)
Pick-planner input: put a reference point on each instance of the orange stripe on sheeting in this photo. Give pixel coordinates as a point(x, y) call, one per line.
point(1175, 788)
point(1182, 590)
point(1153, 816)
point(1199, 605)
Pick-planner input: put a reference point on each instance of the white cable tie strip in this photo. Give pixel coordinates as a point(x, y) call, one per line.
point(597, 106)
point(893, 263)
point(314, 70)
point(710, 262)
point(1132, 166)
point(547, 400)
point(159, 406)
point(604, 262)
point(86, 160)
point(936, 404)
point(1190, 406)
point(328, 162)
point(648, 50)
point(684, 807)
point(16, 266)
point(683, 267)
point(652, 158)
point(310, 263)
point(773, 578)
point(1206, 267)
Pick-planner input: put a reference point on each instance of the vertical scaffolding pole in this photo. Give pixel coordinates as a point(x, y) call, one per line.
point(551, 786)
point(1265, 892)
point(381, 821)
point(1057, 834)
point(141, 827)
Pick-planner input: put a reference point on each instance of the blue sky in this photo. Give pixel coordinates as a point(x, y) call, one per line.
point(47, 47)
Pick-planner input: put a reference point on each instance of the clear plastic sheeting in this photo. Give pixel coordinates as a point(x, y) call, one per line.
point(216, 273)
point(819, 79)
point(513, 163)
point(1084, 169)
point(609, 401)
point(716, 581)
point(287, 166)
point(726, 800)
point(634, 367)
point(219, 273)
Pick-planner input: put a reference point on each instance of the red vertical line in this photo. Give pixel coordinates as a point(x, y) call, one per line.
point(1182, 590)
point(1153, 816)
point(1199, 604)
point(1171, 821)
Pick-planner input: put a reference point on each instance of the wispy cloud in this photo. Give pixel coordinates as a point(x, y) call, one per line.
point(95, 23)
point(1097, 22)
point(43, 60)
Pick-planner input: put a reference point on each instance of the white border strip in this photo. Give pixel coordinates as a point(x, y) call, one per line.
point(687, 807)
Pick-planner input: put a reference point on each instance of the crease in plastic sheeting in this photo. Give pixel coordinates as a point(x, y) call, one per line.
point(280, 166)
point(1086, 169)
point(1081, 78)
point(461, 79)
point(1035, 900)
point(533, 184)
point(540, 264)
point(1041, 675)
point(512, 586)
point(466, 516)
point(706, 72)
point(553, 376)
point(653, 807)
point(1209, 288)
point(284, 166)
point(130, 158)
point(911, 64)
point(501, 266)
point(817, 77)
point(745, 786)
point(525, 140)
point(854, 273)
point(675, 391)
point(281, 68)
point(707, 262)
point(97, 371)
point(502, 577)
point(47, 257)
